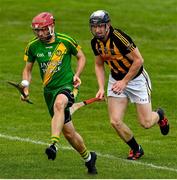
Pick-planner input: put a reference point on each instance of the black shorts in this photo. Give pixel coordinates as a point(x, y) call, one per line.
point(69, 94)
point(50, 97)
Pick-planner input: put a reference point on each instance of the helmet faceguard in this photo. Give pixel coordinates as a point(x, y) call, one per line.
point(43, 22)
point(100, 19)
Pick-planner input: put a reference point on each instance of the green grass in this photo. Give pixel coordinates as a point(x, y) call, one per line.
point(152, 24)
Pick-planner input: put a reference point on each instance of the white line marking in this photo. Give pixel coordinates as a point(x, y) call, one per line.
point(108, 156)
point(170, 76)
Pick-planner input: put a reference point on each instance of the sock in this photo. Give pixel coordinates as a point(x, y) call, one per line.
point(85, 154)
point(54, 139)
point(161, 117)
point(133, 144)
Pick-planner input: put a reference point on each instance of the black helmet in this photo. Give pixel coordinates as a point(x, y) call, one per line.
point(99, 17)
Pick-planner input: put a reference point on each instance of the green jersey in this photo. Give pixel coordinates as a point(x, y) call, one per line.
point(54, 60)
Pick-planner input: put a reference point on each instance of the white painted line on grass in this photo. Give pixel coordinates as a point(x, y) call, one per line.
point(15, 138)
point(108, 156)
point(138, 162)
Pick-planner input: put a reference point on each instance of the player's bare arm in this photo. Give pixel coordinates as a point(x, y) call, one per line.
point(27, 71)
point(137, 59)
point(80, 66)
point(100, 74)
point(26, 75)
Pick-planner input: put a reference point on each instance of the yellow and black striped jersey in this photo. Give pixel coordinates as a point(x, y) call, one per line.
point(113, 52)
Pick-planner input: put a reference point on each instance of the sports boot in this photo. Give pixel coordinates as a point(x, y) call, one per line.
point(91, 164)
point(134, 155)
point(51, 151)
point(163, 122)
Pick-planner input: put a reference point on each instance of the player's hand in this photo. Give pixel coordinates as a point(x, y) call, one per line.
point(76, 81)
point(100, 94)
point(119, 86)
point(25, 95)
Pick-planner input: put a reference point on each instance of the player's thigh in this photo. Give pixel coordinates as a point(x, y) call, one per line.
point(144, 112)
point(117, 108)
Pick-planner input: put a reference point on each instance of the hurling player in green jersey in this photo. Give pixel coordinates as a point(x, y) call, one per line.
point(53, 51)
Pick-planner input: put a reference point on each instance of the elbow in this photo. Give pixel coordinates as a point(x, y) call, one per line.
point(140, 62)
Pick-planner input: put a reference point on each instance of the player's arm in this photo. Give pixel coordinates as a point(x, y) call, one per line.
point(80, 66)
point(137, 59)
point(26, 75)
point(100, 74)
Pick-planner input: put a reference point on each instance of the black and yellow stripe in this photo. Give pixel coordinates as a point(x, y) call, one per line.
point(85, 154)
point(124, 40)
point(114, 51)
point(54, 139)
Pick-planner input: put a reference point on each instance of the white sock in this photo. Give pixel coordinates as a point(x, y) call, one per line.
point(89, 158)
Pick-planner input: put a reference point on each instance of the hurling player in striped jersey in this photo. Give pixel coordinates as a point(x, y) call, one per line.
point(128, 80)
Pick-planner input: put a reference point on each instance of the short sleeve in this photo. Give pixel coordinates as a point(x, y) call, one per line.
point(123, 41)
point(93, 45)
point(28, 55)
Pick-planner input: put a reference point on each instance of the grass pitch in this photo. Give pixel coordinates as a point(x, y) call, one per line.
point(25, 129)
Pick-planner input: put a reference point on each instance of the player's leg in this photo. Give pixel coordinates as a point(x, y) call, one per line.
point(149, 118)
point(57, 123)
point(146, 117)
point(117, 108)
point(140, 93)
point(77, 142)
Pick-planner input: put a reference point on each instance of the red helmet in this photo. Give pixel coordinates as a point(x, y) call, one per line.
point(42, 20)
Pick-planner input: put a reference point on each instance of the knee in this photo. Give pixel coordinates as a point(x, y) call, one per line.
point(59, 105)
point(116, 123)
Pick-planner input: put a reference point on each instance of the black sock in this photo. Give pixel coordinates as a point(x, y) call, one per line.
point(133, 144)
point(161, 116)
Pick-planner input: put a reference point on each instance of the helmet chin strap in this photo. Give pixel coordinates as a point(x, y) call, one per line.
point(107, 28)
point(50, 34)
point(51, 30)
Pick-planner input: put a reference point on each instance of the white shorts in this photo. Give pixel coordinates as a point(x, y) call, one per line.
point(138, 90)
